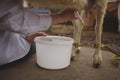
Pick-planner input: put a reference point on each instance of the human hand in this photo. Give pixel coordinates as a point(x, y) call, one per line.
point(30, 38)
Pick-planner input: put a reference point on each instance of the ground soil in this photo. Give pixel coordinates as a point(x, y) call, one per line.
point(88, 36)
point(79, 69)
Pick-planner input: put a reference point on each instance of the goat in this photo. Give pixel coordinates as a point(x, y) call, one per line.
point(80, 5)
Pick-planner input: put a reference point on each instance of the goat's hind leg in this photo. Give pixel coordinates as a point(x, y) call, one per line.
point(78, 26)
point(116, 60)
point(100, 13)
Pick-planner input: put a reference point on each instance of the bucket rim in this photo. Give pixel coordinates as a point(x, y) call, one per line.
point(62, 40)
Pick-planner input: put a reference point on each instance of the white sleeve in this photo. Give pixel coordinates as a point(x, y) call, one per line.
point(25, 22)
point(35, 22)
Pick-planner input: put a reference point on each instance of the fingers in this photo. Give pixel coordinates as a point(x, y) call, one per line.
point(40, 34)
point(31, 37)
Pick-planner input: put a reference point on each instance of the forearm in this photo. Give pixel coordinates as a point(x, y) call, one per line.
point(57, 18)
point(63, 16)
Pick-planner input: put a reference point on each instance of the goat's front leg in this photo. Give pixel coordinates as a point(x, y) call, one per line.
point(100, 12)
point(78, 26)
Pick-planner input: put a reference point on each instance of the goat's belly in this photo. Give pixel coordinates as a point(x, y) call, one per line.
point(58, 4)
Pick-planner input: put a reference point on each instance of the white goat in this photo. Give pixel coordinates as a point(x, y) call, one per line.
point(80, 5)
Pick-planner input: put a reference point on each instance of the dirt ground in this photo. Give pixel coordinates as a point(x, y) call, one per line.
point(80, 69)
point(108, 38)
point(88, 36)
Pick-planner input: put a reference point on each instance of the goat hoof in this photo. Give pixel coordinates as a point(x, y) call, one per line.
point(115, 62)
point(73, 58)
point(78, 50)
point(96, 65)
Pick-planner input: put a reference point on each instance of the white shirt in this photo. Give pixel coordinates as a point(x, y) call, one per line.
point(15, 24)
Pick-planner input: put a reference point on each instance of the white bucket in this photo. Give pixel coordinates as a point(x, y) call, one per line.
point(53, 52)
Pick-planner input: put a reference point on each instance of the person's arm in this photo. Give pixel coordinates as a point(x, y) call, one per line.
point(63, 16)
point(60, 17)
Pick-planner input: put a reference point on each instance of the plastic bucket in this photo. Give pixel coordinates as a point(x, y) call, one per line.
point(53, 52)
